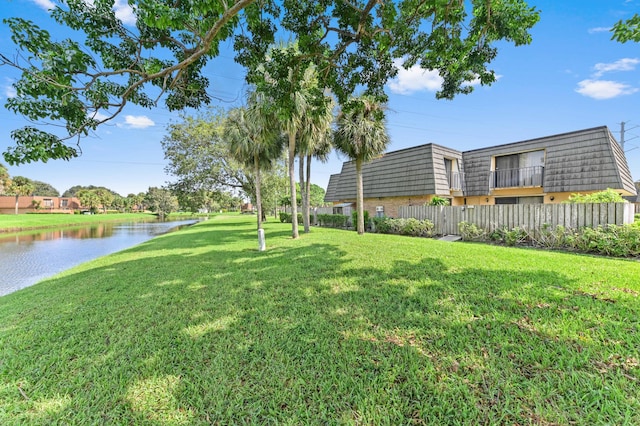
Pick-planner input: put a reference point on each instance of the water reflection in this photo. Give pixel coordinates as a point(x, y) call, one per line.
point(100, 231)
point(29, 257)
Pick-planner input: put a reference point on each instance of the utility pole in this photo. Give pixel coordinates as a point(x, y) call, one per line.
point(622, 131)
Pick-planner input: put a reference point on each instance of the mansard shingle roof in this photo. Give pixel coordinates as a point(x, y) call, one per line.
point(584, 160)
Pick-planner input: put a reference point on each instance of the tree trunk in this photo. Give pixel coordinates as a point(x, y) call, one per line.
point(292, 185)
point(307, 182)
point(17, 196)
point(256, 164)
point(360, 200)
point(303, 194)
point(261, 240)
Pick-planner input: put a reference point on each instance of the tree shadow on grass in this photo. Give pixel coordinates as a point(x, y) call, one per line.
point(504, 346)
point(298, 335)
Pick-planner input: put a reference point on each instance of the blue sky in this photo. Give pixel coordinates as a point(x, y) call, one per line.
point(571, 77)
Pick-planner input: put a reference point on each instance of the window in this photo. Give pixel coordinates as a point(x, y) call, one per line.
point(64, 203)
point(379, 211)
point(454, 178)
point(519, 200)
point(48, 202)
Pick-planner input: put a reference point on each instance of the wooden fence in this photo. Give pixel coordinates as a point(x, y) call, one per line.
point(528, 216)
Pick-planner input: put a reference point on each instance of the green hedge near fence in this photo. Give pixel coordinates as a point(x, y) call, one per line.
point(286, 217)
point(412, 227)
point(609, 240)
point(332, 220)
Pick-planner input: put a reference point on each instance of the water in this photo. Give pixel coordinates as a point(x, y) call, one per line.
point(27, 259)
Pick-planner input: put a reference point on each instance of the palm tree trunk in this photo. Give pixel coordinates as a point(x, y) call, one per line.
point(307, 207)
point(17, 196)
point(360, 200)
point(292, 185)
point(303, 194)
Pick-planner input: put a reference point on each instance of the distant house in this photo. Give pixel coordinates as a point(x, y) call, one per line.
point(543, 170)
point(28, 204)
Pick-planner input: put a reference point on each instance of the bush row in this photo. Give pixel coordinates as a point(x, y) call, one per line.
point(286, 217)
point(610, 240)
point(412, 227)
point(332, 220)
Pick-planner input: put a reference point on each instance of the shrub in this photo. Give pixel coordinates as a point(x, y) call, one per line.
point(439, 201)
point(509, 237)
point(354, 218)
point(382, 225)
point(286, 217)
point(471, 232)
point(332, 220)
point(551, 238)
point(416, 228)
point(607, 196)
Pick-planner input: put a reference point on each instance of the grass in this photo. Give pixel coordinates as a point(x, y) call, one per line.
point(21, 222)
point(198, 327)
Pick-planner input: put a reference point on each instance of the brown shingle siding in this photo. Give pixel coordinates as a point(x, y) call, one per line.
point(580, 161)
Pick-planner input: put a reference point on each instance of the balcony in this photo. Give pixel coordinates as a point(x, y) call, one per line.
point(456, 181)
point(517, 178)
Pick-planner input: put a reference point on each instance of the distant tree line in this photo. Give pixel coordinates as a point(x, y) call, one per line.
point(99, 199)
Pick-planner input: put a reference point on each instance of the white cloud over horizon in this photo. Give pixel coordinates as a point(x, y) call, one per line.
point(604, 89)
point(137, 122)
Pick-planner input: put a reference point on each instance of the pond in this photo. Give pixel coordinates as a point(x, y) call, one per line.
point(27, 258)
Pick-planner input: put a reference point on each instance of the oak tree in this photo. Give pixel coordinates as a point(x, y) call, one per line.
point(83, 81)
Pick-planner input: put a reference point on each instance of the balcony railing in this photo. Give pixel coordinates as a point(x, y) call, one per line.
point(456, 181)
point(512, 178)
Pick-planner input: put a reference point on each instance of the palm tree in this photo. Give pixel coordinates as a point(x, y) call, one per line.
point(5, 181)
point(21, 186)
point(292, 92)
point(88, 198)
point(361, 134)
point(254, 141)
point(315, 142)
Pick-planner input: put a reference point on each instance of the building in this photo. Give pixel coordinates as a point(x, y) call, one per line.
point(31, 204)
point(543, 170)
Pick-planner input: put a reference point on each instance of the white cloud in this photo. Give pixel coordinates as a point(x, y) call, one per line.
point(122, 9)
point(414, 79)
point(599, 30)
point(98, 116)
point(137, 122)
point(8, 89)
point(599, 89)
point(604, 89)
point(124, 12)
point(45, 4)
point(625, 64)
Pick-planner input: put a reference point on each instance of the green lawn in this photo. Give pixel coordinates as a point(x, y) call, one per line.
point(198, 327)
point(20, 222)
